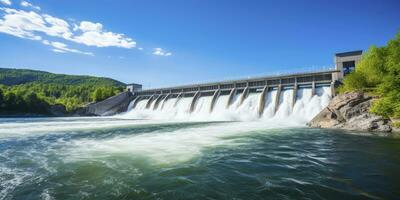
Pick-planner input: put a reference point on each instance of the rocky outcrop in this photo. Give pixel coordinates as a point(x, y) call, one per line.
point(351, 111)
point(58, 110)
point(113, 105)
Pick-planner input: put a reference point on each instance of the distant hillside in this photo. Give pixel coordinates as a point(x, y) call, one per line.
point(24, 91)
point(11, 77)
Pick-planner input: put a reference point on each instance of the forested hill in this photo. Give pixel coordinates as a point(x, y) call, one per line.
point(11, 77)
point(38, 92)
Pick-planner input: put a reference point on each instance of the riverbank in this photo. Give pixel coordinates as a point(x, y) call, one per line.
point(57, 110)
point(350, 111)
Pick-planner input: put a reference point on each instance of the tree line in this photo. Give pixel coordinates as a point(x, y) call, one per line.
point(39, 97)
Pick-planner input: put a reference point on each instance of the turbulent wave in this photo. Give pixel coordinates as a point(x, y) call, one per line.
point(173, 147)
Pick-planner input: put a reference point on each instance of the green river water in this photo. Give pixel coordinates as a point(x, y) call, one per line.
point(110, 158)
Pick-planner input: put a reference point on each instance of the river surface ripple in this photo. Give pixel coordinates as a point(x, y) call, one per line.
point(109, 158)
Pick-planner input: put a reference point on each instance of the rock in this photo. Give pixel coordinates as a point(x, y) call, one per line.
point(58, 110)
point(351, 111)
point(395, 128)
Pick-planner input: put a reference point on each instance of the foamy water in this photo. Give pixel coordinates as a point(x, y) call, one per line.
point(175, 146)
point(42, 127)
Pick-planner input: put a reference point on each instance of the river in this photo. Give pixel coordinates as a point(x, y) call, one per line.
point(119, 158)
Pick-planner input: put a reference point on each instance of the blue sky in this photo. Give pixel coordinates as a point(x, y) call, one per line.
point(165, 43)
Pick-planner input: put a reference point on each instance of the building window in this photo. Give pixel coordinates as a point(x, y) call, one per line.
point(348, 67)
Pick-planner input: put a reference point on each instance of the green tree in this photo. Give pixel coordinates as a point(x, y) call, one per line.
point(34, 103)
point(1, 98)
point(10, 101)
point(98, 94)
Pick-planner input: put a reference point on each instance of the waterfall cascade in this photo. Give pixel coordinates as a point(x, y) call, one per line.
point(302, 106)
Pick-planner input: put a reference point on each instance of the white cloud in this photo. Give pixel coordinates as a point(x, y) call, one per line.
point(21, 24)
point(46, 42)
point(140, 48)
point(89, 26)
point(29, 5)
point(58, 51)
point(28, 25)
point(161, 52)
point(6, 2)
point(94, 35)
point(75, 28)
point(25, 24)
point(59, 47)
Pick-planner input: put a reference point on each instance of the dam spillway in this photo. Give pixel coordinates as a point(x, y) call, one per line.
point(299, 96)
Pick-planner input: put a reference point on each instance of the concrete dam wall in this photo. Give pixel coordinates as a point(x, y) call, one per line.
point(113, 105)
point(249, 98)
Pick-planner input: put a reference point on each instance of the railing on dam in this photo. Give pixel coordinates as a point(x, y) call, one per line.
point(313, 79)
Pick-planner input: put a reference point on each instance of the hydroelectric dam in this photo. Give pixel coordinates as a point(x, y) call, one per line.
point(273, 93)
point(298, 95)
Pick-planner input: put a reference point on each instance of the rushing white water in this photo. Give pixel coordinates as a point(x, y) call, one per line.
point(285, 104)
point(269, 110)
point(141, 105)
point(248, 110)
point(306, 106)
point(203, 106)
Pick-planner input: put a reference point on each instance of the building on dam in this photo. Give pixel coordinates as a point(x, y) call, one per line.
point(346, 62)
point(133, 87)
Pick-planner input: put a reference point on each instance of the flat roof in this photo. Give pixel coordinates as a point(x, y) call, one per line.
point(133, 84)
point(349, 53)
